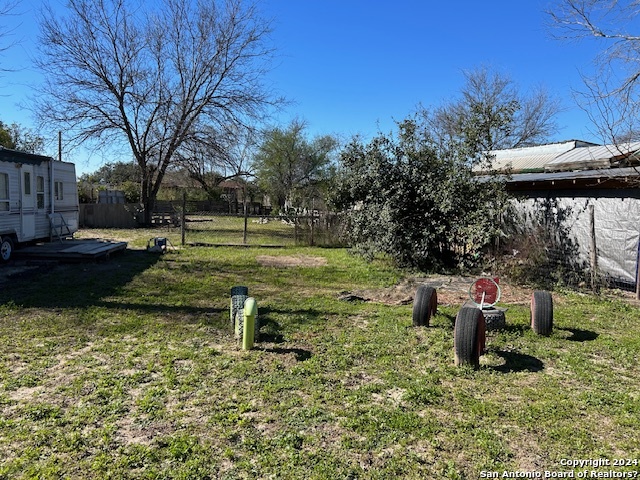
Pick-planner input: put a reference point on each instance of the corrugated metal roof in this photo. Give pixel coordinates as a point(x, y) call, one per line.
point(530, 158)
point(600, 156)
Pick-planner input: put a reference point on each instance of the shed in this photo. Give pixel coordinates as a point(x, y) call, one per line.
point(580, 177)
point(530, 159)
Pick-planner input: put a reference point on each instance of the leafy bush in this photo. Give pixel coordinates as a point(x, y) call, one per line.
point(417, 200)
point(539, 248)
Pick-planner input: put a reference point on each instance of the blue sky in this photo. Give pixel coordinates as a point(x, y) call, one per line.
point(353, 66)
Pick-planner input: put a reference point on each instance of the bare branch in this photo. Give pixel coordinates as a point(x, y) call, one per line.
point(7, 9)
point(492, 114)
point(611, 97)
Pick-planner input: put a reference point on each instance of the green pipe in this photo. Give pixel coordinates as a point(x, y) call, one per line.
point(250, 314)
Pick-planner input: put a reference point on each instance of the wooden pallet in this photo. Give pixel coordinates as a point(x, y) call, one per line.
point(72, 250)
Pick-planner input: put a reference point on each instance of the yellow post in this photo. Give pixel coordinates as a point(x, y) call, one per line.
point(250, 314)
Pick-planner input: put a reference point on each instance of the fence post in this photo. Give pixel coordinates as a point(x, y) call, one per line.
point(183, 216)
point(246, 214)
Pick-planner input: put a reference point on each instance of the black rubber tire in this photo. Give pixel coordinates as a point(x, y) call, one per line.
point(494, 318)
point(6, 249)
point(542, 312)
point(434, 302)
point(425, 305)
point(468, 336)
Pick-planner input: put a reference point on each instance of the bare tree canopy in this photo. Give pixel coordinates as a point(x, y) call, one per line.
point(225, 155)
point(611, 98)
point(6, 11)
point(492, 113)
point(123, 72)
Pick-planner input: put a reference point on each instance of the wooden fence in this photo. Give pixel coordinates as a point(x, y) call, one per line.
point(128, 215)
point(109, 215)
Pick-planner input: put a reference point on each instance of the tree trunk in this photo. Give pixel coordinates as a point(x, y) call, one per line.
point(147, 198)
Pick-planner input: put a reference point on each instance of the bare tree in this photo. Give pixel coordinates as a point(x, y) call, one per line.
point(492, 113)
point(612, 95)
point(119, 72)
point(225, 155)
point(6, 11)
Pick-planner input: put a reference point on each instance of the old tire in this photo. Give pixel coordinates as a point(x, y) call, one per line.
point(469, 336)
point(542, 312)
point(6, 249)
point(425, 305)
point(494, 318)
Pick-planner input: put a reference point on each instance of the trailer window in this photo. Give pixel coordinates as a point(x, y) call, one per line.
point(27, 183)
point(59, 191)
point(40, 191)
point(4, 192)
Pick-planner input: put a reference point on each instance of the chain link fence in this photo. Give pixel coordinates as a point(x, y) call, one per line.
point(576, 243)
point(210, 228)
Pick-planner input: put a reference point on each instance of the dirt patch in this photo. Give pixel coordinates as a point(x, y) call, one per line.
point(284, 261)
point(451, 290)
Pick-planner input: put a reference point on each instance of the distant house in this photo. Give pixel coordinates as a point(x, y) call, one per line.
point(577, 175)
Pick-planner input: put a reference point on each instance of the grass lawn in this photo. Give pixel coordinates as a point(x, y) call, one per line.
point(129, 369)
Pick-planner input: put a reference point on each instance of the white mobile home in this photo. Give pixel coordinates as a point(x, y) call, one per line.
point(38, 199)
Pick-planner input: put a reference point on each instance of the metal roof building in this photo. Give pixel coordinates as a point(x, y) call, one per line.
point(595, 156)
point(531, 159)
point(573, 169)
point(562, 157)
point(597, 187)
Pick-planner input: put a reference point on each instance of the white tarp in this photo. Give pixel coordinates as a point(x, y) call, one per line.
point(617, 228)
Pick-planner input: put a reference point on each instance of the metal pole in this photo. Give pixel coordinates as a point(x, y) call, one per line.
point(246, 214)
point(313, 204)
point(183, 217)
